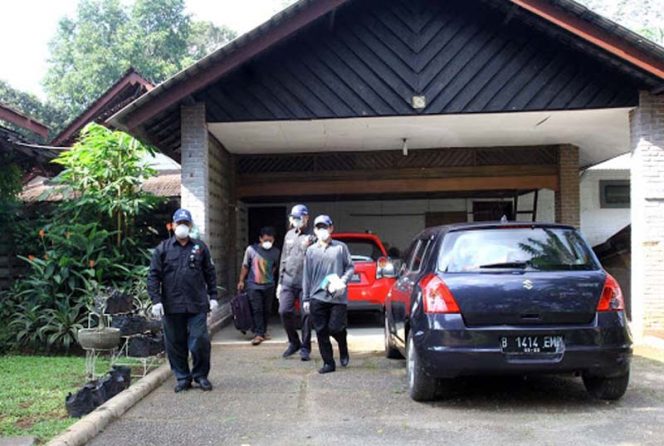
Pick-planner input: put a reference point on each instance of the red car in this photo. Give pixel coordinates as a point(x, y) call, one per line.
point(375, 272)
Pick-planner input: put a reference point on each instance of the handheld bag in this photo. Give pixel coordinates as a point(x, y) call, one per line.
point(242, 313)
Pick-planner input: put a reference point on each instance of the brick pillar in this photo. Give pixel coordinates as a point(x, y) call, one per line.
point(568, 194)
point(195, 193)
point(647, 204)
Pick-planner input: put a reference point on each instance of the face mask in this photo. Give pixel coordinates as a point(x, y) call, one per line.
point(266, 245)
point(322, 234)
point(297, 223)
point(182, 231)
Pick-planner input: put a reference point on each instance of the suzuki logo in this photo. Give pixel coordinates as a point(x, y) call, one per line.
point(527, 284)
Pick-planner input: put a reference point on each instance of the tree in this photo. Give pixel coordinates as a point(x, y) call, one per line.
point(92, 50)
point(645, 17)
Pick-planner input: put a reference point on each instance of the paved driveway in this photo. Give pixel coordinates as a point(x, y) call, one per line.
point(262, 399)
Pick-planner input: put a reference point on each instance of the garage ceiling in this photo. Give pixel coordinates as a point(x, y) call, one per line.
point(601, 134)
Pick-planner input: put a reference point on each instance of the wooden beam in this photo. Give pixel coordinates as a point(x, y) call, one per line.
point(25, 122)
point(595, 35)
point(387, 186)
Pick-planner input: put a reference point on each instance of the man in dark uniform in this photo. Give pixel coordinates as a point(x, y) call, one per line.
point(183, 288)
point(328, 267)
point(289, 290)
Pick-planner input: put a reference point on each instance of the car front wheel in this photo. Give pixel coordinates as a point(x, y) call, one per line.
point(421, 386)
point(391, 351)
point(606, 388)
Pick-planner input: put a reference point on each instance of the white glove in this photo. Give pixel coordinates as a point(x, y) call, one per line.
point(158, 311)
point(306, 307)
point(279, 288)
point(336, 284)
point(213, 304)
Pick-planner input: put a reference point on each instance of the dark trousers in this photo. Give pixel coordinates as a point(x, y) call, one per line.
point(288, 315)
point(184, 333)
point(330, 320)
point(260, 302)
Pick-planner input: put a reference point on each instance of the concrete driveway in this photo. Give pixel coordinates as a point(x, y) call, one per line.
point(262, 399)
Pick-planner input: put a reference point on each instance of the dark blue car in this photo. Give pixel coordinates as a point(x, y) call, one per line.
point(506, 298)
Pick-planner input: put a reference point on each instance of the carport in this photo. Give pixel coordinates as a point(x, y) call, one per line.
point(391, 115)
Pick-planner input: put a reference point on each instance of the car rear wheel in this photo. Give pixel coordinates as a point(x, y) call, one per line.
point(421, 386)
point(606, 388)
point(391, 351)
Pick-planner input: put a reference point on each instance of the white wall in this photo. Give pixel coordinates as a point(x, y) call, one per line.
point(398, 221)
point(599, 224)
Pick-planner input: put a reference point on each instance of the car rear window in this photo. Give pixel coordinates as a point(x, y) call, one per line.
point(486, 250)
point(362, 250)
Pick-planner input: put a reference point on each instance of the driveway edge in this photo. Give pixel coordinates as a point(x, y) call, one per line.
point(92, 424)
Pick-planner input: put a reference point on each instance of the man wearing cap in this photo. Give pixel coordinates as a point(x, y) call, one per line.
point(328, 268)
point(183, 288)
point(289, 289)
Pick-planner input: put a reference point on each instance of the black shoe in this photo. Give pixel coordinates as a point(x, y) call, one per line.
point(204, 384)
point(291, 350)
point(182, 386)
point(304, 355)
point(344, 360)
point(327, 368)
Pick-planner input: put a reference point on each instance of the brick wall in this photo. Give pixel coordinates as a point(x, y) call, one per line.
point(567, 197)
point(221, 213)
point(207, 189)
point(194, 164)
point(647, 141)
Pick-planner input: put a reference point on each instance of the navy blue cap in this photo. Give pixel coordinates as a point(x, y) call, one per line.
point(299, 211)
point(182, 215)
point(323, 220)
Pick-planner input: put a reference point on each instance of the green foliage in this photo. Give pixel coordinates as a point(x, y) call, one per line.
point(91, 51)
point(10, 180)
point(30, 105)
point(106, 169)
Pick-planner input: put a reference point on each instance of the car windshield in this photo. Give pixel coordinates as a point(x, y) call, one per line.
point(362, 250)
point(486, 250)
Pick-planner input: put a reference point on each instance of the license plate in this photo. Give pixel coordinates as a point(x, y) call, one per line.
point(355, 278)
point(532, 344)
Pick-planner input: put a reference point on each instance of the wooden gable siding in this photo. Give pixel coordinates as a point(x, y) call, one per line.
point(373, 56)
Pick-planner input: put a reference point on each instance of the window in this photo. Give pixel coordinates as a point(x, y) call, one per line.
point(419, 253)
point(488, 250)
point(362, 250)
point(614, 194)
point(492, 210)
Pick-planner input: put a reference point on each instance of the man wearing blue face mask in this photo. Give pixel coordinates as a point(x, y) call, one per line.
point(183, 288)
point(258, 268)
point(289, 290)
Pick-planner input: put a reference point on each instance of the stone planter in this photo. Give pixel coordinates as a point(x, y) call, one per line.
point(103, 338)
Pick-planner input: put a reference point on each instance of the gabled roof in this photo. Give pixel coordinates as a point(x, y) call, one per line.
point(587, 27)
point(125, 90)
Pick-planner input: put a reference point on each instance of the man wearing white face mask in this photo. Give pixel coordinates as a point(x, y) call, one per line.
point(328, 267)
point(183, 288)
point(289, 291)
point(258, 268)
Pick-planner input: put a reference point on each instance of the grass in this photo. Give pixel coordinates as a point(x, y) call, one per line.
point(33, 391)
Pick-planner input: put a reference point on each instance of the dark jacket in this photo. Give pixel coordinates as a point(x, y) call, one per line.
point(292, 257)
point(182, 277)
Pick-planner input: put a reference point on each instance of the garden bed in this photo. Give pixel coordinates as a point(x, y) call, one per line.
point(33, 391)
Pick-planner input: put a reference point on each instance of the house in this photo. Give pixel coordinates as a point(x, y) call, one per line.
point(396, 114)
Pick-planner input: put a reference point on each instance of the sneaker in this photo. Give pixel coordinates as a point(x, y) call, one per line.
point(344, 361)
point(327, 368)
point(291, 350)
point(257, 340)
point(304, 355)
